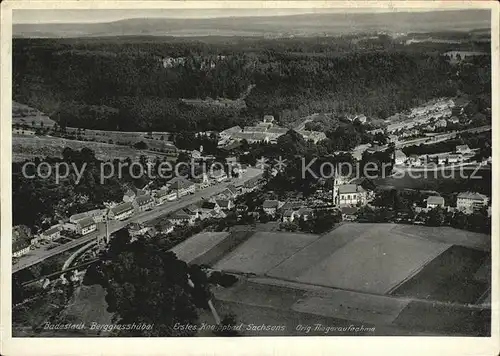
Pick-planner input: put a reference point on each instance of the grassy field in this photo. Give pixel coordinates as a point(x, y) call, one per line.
point(447, 235)
point(27, 148)
point(373, 263)
point(263, 251)
point(450, 277)
point(198, 245)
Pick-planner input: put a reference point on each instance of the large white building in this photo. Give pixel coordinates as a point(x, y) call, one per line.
point(86, 226)
point(469, 201)
point(349, 195)
point(122, 211)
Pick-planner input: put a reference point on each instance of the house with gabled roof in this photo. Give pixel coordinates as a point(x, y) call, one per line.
point(182, 186)
point(122, 211)
point(53, 233)
point(469, 202)
point(270, 207)
point(86, 226)
point(144, 202)
point(434, 202)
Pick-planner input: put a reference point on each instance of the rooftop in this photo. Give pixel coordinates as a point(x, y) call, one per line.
point(435, 200)
point(85, 222)
point(270, 204)
point(143, 199)
point(350, 188)
point(472, 196)
point(52, 230)
point(121, 208)
point(180, 183)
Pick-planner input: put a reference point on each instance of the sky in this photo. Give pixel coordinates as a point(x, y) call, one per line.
point(92, 16)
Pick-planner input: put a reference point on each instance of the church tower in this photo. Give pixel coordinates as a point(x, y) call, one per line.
point(335, 190)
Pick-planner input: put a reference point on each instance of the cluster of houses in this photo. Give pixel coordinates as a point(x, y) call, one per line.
point(346, 197)
point(467, 202)
point(139, 200)
point(428, 117)
point(264, 131)
point(216, 206)
point(462, 153)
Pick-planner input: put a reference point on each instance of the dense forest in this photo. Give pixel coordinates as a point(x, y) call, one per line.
point(125, 86)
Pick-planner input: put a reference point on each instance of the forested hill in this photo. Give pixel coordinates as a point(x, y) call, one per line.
point(125, 86)
point(302, 25)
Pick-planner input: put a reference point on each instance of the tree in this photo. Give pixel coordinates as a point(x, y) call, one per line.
point(144, 284)
point(435, 217)
point(141, 145)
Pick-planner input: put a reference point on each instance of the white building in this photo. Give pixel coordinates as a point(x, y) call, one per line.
point(182, 186)
point(86, 226)
point(52, 234)
point(122, 211)
point(144, 202)
point(470, 201)
point(399, 157)
point(463, 149)
point(349, 195)
point(435, 201)
point(270, 207)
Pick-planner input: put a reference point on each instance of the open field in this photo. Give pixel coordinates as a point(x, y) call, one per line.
point(447, 235)
point(449, 277)
point(374, 262)
point(157, 140)
point(26, 148)
point(263, 251)
point(291, 305)
point(372, 258)
point(198, 245)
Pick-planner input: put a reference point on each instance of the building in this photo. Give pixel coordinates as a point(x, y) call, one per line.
point(225, 204)
point(209, 206)
point(218, 175)
point(228, 132)
point(463, 149)
point(289, 216)
point(86, 226)
point(349, 194)
point(99, 215)
point(144, 202)
point(305, 213)
point(399, 157)
point(162, 196)
point(414, 160)
point(360, 118)
point(435, 201)
point(129, 196)
point(441, 123)
point(181, 186)
point(122, 211)
point(268, 119)
point(52, 234)
point(21, 240)
point(136, 229)
point(469, 201)
point(314, 136)
point(181, 217)
point(454, 157)
point(251, 184)
point(270, 207)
